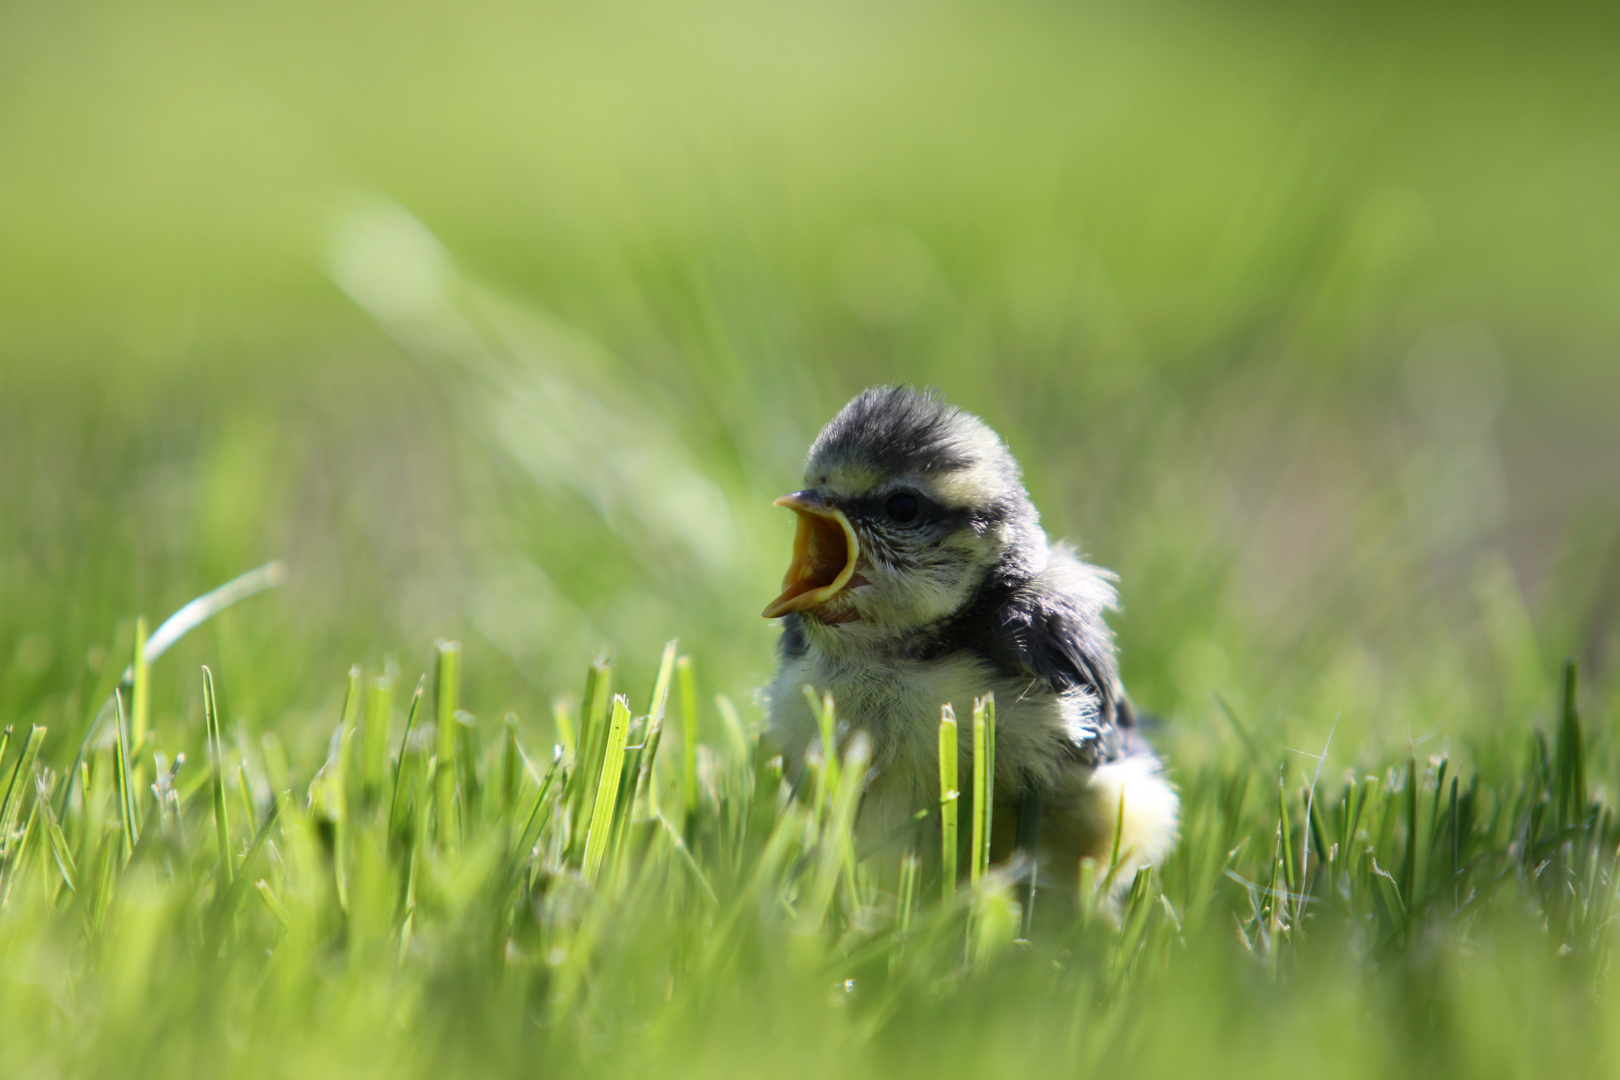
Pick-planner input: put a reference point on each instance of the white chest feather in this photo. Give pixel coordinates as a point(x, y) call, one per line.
point(897, 704)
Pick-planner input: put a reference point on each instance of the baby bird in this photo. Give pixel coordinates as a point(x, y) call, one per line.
point(920, 577)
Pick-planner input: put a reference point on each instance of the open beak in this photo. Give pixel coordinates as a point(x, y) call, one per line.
point(824, 554)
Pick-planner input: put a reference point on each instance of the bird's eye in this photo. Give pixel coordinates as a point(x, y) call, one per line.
point(902, 509)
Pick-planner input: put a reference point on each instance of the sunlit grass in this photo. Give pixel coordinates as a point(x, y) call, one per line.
point(504, 326)
point(428, 905)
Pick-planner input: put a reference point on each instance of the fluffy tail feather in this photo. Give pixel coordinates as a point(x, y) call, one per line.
point(1084, 819)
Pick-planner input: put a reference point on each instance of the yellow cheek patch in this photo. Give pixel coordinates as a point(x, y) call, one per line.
point(846, 480)
point(964, 487)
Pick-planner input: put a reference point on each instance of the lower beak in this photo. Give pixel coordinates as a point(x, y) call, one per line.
point(824, 554)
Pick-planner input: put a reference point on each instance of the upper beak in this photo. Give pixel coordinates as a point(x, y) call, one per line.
point(825, 550)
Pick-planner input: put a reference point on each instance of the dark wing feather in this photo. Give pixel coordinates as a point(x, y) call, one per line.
point(1065, 648)
point(1049, 628)
point(1053, 624)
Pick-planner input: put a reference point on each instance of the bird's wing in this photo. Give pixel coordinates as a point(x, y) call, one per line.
point(1061, 647)
point(1054, 625)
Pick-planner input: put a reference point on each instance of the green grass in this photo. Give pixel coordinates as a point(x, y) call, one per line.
point(504, 325)
point(427, 907)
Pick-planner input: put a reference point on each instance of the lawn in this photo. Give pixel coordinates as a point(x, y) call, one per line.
point(494, 329)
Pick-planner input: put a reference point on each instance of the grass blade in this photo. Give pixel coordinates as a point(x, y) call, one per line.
point(595, 711)
point(216, 758)
point(689, 735)
point(563, 721)
point(512, 765)
point(949, 800)
point(140, 695)
point(906, 903)
point(374, 739)
point(404, 744)
point(61, 850)
point(833, 854)
point(11, 807)
point(1569, 756)
point(206, 606)
point(607, 789)
point(535, 819)
point(126, 795)
point(447, 687)
point(646, 795)
point(984, 784)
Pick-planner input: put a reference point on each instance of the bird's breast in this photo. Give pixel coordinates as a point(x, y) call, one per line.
point(897, 703)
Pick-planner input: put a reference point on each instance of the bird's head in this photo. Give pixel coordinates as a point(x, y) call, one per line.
point(908, 504)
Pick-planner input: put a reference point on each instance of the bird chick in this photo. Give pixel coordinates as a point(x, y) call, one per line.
point(921, 577)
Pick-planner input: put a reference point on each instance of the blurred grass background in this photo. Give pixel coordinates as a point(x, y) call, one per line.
point(506, 321)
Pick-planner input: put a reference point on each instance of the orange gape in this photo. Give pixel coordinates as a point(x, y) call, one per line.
point(825, 551)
